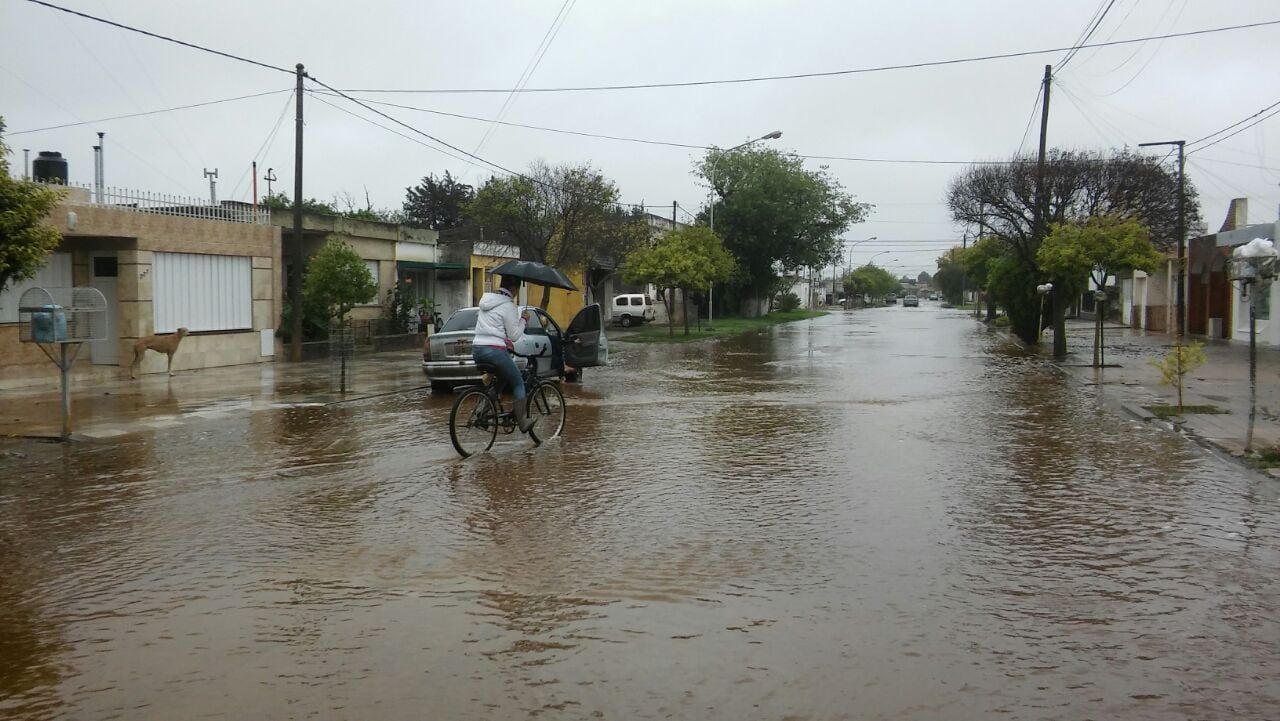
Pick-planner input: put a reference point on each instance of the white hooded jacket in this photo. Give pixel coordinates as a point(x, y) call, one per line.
point(498, 320)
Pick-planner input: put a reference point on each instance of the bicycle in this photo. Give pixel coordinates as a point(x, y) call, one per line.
point(477, 414)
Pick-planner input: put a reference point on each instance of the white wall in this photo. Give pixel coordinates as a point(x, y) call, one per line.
point(55, 273)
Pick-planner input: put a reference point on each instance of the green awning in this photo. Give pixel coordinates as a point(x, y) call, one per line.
point(422, 265)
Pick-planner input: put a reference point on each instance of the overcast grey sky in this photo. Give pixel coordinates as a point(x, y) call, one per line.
point(56, 68)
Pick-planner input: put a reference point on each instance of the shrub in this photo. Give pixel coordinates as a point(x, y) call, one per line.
point(1181, 360)
point(788, 302)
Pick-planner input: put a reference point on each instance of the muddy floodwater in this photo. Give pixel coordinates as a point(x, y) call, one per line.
point(888, 514)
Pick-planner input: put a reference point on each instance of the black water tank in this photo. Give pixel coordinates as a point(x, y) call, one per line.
point(49, 167)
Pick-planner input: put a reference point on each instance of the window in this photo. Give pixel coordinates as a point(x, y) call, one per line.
point(202, 292)
point(461, 320)
point(648, 300)
point(534, 324)
point(105, 266)
point(372, 266)
point(637, 301)
point(620, 301)
point(56, 273)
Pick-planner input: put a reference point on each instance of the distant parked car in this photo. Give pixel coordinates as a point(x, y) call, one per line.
point(911, 301)
point(632, 309)
point(933, 296)
point(447, 361)
point(891, 299)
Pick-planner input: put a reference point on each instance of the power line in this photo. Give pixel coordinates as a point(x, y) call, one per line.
point(1237, 132)
point(530, 67)
point(157, 36)
point(688, 146)
point(434, 139)
point(829, 73)
point(1237, 123)
point(151, 112)
point(1089, 29)
point(1031, 119)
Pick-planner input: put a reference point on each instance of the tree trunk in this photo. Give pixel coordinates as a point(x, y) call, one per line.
point(671, 309)
point(546, 297)
point(991, 307)
point(1097, 333)
point(1059, 318)
point(684, 293)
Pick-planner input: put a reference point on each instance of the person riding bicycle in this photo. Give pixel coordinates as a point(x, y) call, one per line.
point(498, 325)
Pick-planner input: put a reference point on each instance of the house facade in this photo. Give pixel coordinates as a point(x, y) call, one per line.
point(161, 265)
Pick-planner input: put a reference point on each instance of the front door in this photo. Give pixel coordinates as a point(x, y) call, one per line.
point(103, 270)
point(585, 343)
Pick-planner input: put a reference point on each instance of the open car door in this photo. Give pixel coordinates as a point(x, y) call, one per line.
point(585, 342)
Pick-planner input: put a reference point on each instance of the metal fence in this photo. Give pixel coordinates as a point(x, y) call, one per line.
point(233, 211)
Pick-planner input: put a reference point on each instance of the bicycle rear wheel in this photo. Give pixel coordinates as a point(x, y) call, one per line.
point(546, 403)
point(473, 422)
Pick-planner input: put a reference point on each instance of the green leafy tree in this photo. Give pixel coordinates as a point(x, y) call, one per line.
point(950, 277)
point(1001, 200)
point(618, 233)
point(690, 257)
point(978, 262)
point(774, 213)
point(553, 214)
point(870, 280)
point(337, 280)
point(26, 236)
point(1103, 246)
point(437, 203)
point(281, 201)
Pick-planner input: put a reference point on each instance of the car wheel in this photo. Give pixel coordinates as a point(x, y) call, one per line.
point(626, 321)
point(441, 387)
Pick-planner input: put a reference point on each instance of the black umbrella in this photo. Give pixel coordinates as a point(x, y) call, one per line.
point(535, 272)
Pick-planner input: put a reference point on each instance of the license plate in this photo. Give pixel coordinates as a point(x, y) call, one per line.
point(462, 347)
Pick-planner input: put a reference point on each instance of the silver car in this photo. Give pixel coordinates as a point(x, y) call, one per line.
point(447, 361)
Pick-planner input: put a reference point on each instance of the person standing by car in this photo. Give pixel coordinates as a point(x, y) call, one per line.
point(498, 325)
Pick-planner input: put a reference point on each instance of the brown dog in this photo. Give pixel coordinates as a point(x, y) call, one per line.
point(167, 344)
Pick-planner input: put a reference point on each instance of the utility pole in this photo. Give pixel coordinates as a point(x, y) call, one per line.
point(270, 177)
point(1042, 221)
point(674, 205)
point(1182, 244)
point(1182, 233)
point(213, 185)
point(295, 270)
point(102, 166)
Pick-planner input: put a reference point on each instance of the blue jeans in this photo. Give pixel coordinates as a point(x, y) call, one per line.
point(506, 365)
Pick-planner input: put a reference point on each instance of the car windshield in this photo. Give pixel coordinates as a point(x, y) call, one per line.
point(461, 320)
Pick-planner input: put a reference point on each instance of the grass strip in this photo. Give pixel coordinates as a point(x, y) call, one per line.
point(720, 328)
point(1163, 411)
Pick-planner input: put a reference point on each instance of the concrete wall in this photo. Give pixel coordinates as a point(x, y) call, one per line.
point(134, 237)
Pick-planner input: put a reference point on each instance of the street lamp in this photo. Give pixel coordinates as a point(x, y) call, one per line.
point(711, 214)
point(1043, 290)
point(1254, 264)
point(872, 261)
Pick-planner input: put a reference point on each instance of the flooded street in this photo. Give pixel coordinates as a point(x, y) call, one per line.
point(887, 514)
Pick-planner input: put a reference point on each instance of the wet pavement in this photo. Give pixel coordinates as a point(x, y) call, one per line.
point(887, 514)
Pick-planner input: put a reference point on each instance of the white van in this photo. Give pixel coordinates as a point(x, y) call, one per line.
point(632, 309)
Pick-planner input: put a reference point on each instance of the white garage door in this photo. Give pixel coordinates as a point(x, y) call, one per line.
point(202, 292)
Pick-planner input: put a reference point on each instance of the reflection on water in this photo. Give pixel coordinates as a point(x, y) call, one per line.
point(871, 515)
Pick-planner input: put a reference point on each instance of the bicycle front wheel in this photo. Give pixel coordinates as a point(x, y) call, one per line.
point(473, 422)
point(546, 403)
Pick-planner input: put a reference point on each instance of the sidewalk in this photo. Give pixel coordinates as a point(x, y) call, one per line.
point(112, 408)
point(1223, 382)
